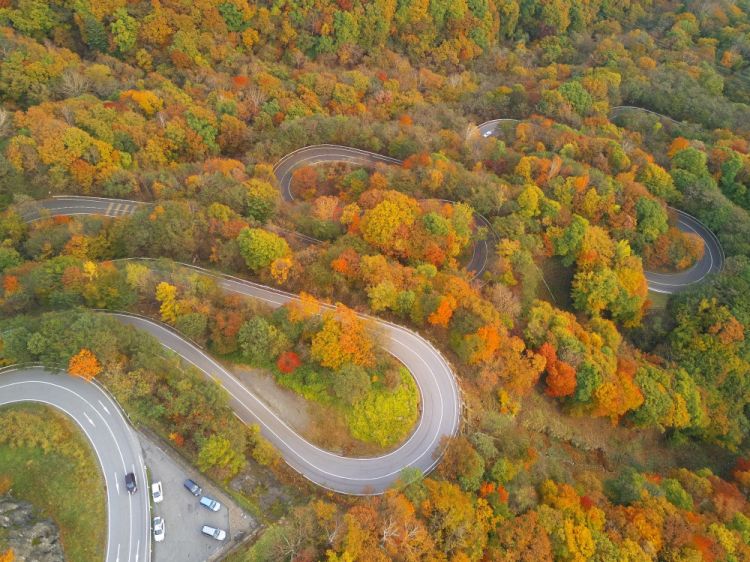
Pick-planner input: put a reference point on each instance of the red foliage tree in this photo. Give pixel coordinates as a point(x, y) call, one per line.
point(288, 362)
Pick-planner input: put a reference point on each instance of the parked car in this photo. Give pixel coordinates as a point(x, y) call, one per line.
point(156, 492)
point(130, 483)
point(218, 534)
point(158, 529)
point(192, 487)
point(210, 503)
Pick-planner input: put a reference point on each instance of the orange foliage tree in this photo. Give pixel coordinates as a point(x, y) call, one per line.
point(442, 314)
point(10, 284)
point(343, 339)
point(84, 364)
point(561, 376)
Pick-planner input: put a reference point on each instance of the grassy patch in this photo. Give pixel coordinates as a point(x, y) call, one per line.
point(658, 300)
point(383, 417)
point(559, 279)
point(51, 465)
point(386, 416)
point(377, 421)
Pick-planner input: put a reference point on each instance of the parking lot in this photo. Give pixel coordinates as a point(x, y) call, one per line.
point(183, 516)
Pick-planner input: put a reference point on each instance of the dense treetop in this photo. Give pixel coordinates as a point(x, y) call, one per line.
point(601, 423)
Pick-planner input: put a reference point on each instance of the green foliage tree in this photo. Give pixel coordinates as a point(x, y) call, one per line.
point(652, 219)
point(351, 383)
point(260, 247)
point(260, 341)
point(217, 452)
point(262, 200)
point(124, 29)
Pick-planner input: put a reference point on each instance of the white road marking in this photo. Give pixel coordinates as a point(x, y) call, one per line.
point(83, 428)
point(90, 420)
point(118, 553)
point(117, 483)
point(105, 408)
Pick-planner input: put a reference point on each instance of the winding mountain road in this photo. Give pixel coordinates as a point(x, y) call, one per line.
point(669, 283)
point(322, 154)
point(74, 205)
point(118, 450)
point(490, 128)
point(440, 415)
point(711, 262)
point(439, 392)
point(116, 446)
point(332, 153)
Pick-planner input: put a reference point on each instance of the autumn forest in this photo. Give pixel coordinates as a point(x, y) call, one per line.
point(605, 410)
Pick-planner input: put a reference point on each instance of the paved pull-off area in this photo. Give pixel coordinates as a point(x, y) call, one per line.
point(184, 516)
point(114, 442)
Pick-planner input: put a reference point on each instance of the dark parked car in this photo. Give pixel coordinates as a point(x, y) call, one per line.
point(130, 483)
point(192, 487)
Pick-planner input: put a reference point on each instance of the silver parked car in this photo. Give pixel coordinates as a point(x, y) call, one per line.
point(159, 529)
point(210, 503)
point(213, 532)
point(156, 492)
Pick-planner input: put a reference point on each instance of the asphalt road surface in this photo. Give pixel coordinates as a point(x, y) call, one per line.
point(75, 205)
point(711, 262)
point(115, 445)
point(491, 128)
point(440, 415)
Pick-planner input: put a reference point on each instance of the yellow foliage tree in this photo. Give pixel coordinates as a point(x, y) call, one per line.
point(579, 542)
point(280, 268)
point(303, 308)
point(166, 294)
point(147, 101)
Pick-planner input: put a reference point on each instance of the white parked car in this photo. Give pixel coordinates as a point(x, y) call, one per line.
point(210, 503)
point(218, 534)
point(156, 492)
point(158, 529)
